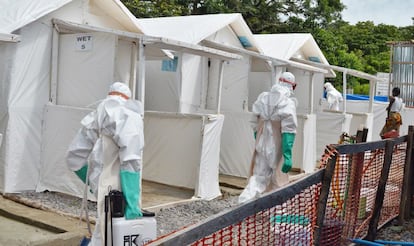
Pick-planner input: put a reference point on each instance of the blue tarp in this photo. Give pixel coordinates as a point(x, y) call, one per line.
point(366, 98)
point(363, 97)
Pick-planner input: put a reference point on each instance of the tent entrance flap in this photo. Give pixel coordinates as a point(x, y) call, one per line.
point(95, 60)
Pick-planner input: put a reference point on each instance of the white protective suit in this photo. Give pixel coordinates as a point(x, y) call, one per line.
point(333, 96)
point(276, 112)
point(110, 140)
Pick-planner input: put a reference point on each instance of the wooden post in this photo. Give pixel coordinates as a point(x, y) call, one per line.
point(364, 134)
point(361, 136)
point(406, 190)
point(411, 179)
point(323, 198)
point(379, 198)
point(358, 137)
point(353, 196)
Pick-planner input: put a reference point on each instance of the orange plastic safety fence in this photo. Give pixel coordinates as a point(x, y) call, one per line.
point(348, 212)
point(353, 192)
point(291, 223)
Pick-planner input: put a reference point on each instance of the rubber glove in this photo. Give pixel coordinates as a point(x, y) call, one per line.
point(81, 173)
point(288, 139)
point(253, 123)
point(130, 184)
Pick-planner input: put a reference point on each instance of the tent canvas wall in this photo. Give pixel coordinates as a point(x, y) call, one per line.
point(190, 84)
point(310, 86)
point(193, 85)
point(359, 117)
point(60, 66)
point(26, 72)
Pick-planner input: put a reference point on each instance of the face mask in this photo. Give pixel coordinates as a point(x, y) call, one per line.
point(283, 88)
point(286, 88)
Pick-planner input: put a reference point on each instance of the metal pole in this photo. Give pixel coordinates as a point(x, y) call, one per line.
point(344, 90)
point(140, 87)
point(220, 85)
point(311, 92)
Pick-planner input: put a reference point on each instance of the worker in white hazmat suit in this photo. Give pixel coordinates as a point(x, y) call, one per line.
point(276, 130)
point(107, 153)
point(333, 96)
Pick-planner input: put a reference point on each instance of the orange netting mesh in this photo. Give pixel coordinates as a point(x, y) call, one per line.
point(392, 197)
point(348, 212)
point(353, 192)
point(291, 223)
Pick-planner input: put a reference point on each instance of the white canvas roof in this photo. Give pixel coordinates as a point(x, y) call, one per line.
point(15, 14)
point(197, 27)
point(154, 44)
point(18, 13)
point(291, 45)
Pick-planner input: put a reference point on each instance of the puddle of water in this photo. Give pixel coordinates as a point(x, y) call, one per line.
point(13, 232)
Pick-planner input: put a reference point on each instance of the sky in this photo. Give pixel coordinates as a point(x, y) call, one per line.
point(390, 12)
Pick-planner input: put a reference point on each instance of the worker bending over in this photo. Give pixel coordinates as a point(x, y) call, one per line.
point(107, 153)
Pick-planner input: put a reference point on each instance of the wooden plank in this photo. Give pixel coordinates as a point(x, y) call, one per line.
point(222, 220)
point(364, 134)
point(323, 199)
point(361, 136)
point(379, 199)
point(406, 194)
point(359, 147)
point(352, 198)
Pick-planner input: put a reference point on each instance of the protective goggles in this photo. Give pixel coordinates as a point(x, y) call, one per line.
point(293, 84)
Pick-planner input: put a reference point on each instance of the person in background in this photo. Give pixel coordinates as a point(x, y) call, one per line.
point(276, 121)
point(333, 96)
point(393, 121)
point(106, 153)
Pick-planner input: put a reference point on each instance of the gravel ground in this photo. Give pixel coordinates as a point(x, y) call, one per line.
point(173, 218)
point(168, 219)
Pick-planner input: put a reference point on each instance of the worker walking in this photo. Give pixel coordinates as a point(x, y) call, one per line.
point(333, 96)
point(275, 113)
point(107, 153)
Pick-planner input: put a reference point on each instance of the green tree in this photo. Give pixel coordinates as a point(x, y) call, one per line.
point(407, 33)
point(362, 47)
point(262, 16)
point(157, 8)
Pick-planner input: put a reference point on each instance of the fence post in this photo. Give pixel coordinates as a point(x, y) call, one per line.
point(379, 198)
point(352, 199)
point(323, 198)
point(361, 136)
point(406, 191)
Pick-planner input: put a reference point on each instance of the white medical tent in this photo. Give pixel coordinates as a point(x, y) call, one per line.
point(193, 87)
point(197, 89)
point(58, 57)
point(309, 91)
point(189, 85)
point(25, 72)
